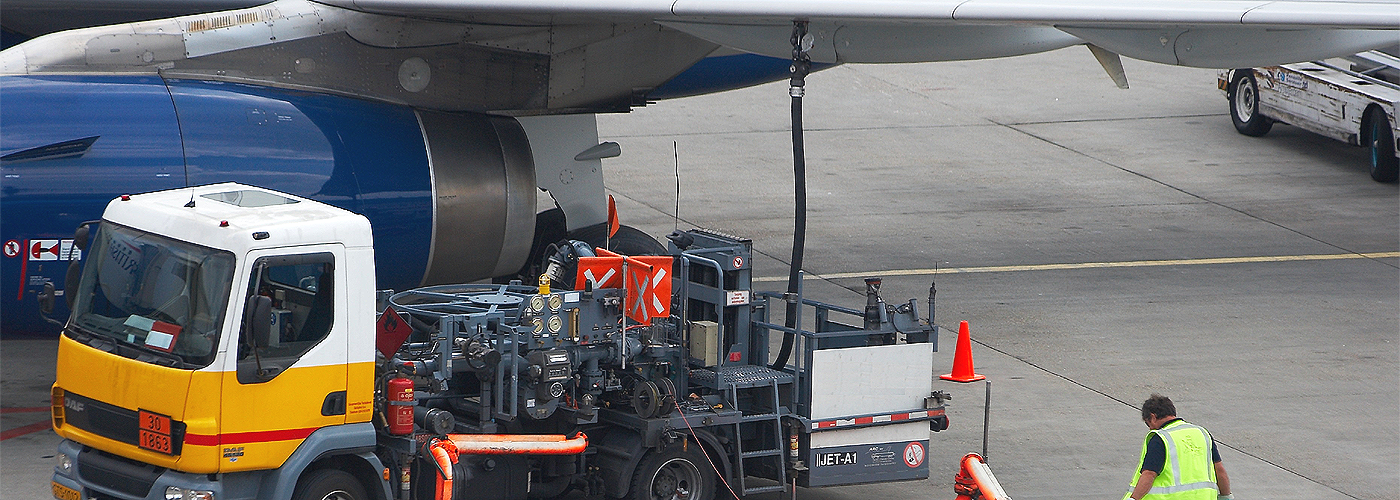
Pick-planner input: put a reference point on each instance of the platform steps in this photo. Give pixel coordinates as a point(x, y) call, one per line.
point(759, 443)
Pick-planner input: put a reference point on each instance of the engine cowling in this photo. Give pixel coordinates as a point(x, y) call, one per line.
point(450, 196)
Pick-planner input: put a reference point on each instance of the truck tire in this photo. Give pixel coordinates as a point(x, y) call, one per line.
point(675, 472)
point(550, 230)
point(628, 240)
point(329, 484)
point(1377, 136)
point(1244, 105)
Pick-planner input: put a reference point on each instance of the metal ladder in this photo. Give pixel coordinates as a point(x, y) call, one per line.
point(756, 422)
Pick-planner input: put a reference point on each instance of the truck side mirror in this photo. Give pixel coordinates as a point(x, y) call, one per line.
point(257, 326)
point(75, 266)
point(257, 320)
point(80, 236)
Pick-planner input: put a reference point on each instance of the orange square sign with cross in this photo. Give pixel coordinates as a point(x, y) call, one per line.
point(647, 281)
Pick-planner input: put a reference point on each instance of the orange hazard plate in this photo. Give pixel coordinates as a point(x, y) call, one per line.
point(154, 432)
point(62, 492)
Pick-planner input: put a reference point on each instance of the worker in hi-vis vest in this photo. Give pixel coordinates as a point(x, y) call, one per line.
point(1179, 460)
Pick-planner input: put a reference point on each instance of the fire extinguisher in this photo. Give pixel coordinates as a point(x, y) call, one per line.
point(400, 396)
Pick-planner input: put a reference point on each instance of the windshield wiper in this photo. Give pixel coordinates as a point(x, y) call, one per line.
point(92, 339)
point(128, 350)
point(77, 333)
point(164, 359)
point(133, 352)
point(147, 355)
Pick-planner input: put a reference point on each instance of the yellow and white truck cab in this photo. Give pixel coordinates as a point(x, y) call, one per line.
point(156, 370)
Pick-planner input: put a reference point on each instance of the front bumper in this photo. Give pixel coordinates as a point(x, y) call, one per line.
point(98, 475)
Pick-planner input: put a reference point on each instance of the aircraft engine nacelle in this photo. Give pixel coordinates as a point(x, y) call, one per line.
point(451, 196)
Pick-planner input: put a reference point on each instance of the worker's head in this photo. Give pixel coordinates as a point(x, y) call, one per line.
point(1156, 407)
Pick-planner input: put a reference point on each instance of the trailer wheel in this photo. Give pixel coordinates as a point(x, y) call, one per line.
point(329, 484)
point(1376, 135)
point(675, 472)
point(1244, 105)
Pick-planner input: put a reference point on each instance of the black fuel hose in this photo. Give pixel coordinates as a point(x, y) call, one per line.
point(801, 66)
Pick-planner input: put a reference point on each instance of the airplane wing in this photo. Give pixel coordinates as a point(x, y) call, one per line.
point(1201, 33)
point(556, 56)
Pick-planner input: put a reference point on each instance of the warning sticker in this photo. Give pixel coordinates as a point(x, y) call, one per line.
point(12, 248)
point(914, 454)
point(43, 249)
point(390, 332)
point(68, 251)
point(154, 432)
point(46, 250)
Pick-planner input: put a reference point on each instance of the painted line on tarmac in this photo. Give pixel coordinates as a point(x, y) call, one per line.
point(28, 429)
point(1091, 265)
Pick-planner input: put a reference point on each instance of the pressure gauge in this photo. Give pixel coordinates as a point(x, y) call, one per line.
point(539, 326)
point(555, 324)
point(537, 303)
point(555, 302)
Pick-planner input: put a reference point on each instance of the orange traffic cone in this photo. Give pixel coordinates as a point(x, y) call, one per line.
point(962, 358)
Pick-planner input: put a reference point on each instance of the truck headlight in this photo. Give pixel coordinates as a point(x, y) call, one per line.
point(65, 464)
point(178, 493)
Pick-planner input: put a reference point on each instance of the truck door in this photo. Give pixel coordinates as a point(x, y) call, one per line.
point(289, 379)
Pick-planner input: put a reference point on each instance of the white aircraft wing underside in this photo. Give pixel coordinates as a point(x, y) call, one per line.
point(561, 56)
point(1378, 14)
point(872, 42)
point(1202, 33)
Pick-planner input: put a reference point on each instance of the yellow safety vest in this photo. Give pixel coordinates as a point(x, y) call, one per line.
point(1189, 472)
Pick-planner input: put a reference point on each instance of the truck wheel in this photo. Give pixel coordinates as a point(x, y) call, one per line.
point(329, 484)
point(675, 472)
point(1244, 105)
point(628, 240)
point(1376, 135)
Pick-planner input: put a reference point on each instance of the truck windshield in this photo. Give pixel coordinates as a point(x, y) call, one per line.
point(152, 298)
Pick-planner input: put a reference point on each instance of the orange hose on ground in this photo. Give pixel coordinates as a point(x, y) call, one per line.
point(975, 480)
